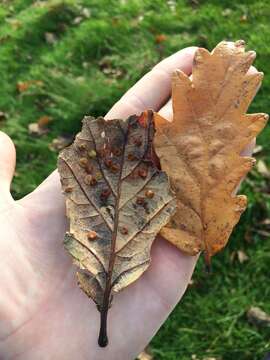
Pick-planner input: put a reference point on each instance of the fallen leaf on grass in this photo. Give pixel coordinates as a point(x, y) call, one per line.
point(61, 142)
point(23, 86)
point(44, 121)
point(226, 12)
point(160, 38)
point(50, 38)
point(117, 201)
point(262, 233)
point(35, 130)
point(200, 150)
point(263, 169)
point(40, 127)
point(257, 149)
point(77, 20)
point(244, 18)
point(265, 222)
point(145, 355)
point(242, 256)
point(16, 24)
point(86, 12)
point(107, 68)
point(258, 317)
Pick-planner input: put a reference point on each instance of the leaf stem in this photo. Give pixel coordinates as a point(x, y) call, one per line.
point(103, 338)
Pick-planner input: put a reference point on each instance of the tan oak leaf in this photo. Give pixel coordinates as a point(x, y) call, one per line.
point(201, 148)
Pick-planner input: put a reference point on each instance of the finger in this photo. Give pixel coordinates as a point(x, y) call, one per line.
point(7, 163)
point(49, 193)
point(152, 91)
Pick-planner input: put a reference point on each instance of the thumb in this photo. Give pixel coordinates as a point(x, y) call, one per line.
point(7, 165)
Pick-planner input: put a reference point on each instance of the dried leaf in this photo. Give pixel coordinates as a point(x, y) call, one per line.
point(35, 130)
point(106, 175)
point(263, 233)
point(44, 121)
point(226, 12)
point(23, 86)
point(86, 12)
point(244, 18)
point(145, 355)
point(263, 169)
point(200, 150)
point(242, 256)
point(61, 142)
point(265, 222)
point(40, 127)
point(50, 38)
point(77, 20)
point(258, 317)
point(15, 23)
point(160, 38)
point(257, 149)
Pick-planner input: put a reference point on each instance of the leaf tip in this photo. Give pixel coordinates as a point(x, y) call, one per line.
point(266, 117)
point(201, 55)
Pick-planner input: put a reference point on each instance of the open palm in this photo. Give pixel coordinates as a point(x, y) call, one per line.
point(44, 315)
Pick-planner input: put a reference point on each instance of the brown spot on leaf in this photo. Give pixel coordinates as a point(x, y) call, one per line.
point(115, 168)
point(138, 142)
point(142, 173)
point(149, 194)
point(132, 157)
point(88, 179)
point(92, 154)
point(116, 151)
point(91, 235)
point(140, 200)
point(83, 162)
point(89, 168)
point(143, 119)
point(82, 146)
point(105, 193)
point(124, 230)
point(68, 189)
point(108, 163)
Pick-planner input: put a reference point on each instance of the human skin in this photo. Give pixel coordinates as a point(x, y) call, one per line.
point(43, 313)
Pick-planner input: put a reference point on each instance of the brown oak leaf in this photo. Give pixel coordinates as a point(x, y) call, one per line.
point(201, 149)
point(117, 200)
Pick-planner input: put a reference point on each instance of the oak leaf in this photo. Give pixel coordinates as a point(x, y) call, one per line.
point(201, 149)
point(117, 200)
point(258, 317)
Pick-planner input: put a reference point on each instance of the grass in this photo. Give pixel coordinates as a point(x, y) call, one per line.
point(93, 60)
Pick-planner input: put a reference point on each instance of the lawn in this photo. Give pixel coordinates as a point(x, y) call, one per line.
point(64, 59)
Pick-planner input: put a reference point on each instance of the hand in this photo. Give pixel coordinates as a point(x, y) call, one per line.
point(44, 315)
